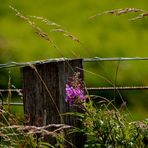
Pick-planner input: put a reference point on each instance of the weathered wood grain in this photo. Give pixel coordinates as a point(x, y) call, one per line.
point(44, 93)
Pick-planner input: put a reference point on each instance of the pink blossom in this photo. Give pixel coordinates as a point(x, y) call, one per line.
point(74, 91)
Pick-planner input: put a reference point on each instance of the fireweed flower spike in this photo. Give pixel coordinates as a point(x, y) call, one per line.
point(74, 90)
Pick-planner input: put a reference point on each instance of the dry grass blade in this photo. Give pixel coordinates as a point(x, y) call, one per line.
point(43, 34)
point(4, 136)
point(9, 97)
point(72, 37)
point(19, 91)
point(118, 12)
point(141, 16)
point(2, 111)
point(34, 129)
point(66, 33)
point(58, 28)
point(126, 10)
point(46, 21)
point(38, 30)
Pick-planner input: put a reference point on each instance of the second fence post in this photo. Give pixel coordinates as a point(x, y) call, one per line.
point(44, 93)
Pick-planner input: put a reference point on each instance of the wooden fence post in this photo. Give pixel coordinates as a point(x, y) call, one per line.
point(44, 93)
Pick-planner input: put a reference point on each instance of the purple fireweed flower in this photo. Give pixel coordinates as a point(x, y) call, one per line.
point(74, 90)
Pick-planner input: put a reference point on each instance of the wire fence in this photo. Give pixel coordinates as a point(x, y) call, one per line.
point(95, 59)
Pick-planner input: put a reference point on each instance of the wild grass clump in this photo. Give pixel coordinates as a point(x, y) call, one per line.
point(117, 12)
point(105, 125)
point(102, 127)
point(109, 128)
point(55, 27)
point(14, 133)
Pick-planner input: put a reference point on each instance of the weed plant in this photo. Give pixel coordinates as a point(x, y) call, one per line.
point(104, 125)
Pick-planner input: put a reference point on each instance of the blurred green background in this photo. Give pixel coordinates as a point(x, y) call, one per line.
point(105, 36)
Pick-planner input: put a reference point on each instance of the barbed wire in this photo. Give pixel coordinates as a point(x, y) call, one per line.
point(12, 90)
point(89, 89)
point(93, 88)
point(12, 103)
point(95, 59)
point(117, 88)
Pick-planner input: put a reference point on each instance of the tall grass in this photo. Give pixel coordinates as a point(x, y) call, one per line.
point(13, 132)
